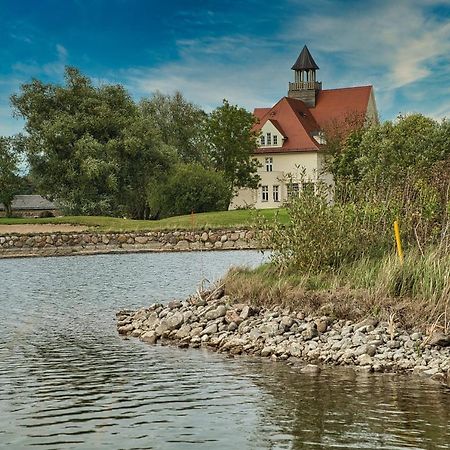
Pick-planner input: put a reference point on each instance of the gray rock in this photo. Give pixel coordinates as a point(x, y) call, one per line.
point(183, 332)
point(440, 339)
point(287, 321)
point(174, 321)
point(220, 311)
point(295, 349)
point(232, 326)
point(246, 312)
point(196, 331)
point(269, 328)
point(125, 329)
point(365, 360)
point(266, 351)
point(393, 344)
point(310, 369)
point(209, 330)
point(322, 324)
point(152, 321)
point(310, 332)
point(254, 334)
point(150, 337)
point(162, 327)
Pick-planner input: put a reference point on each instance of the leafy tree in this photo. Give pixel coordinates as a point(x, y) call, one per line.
point(144, 162)
point(232, 142)
point(180, 123)
point(87, 146)
point(392, 152)
point(10, 181)
point(192, 187)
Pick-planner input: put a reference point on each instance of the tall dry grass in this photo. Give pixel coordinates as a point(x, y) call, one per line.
point(416, 294)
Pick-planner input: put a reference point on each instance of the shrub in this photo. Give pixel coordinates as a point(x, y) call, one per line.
point(320, 235)
point(192, 187)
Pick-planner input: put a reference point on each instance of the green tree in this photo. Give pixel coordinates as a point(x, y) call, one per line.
point(87, 145)
point(145, 162)
point(10, 181)
point(232, 142)
point(180, 123)
point(393, 152)
point(192, 187)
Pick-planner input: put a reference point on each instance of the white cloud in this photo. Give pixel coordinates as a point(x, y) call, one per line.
point(210, 69)
point(397, 40)
point(52, 69)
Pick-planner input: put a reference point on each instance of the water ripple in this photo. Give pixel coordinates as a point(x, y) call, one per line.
point(68, 381)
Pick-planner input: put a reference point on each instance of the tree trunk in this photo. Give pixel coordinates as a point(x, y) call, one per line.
point(8, 209)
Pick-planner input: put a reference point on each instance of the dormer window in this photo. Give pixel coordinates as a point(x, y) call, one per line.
point(263, 140)
point(319, 137)
point(275, 139)
point(269, 139)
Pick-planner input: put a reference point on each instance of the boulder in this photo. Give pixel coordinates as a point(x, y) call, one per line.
point(211, 329)
point(150, 337)
point(439, 339)
point(322, 324)
point(220, 311)
point(310, 369)
point(174, 321)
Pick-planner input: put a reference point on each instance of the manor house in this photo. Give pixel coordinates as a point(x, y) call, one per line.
point(292, 134)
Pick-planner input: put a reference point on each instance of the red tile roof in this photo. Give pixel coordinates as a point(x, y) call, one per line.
point(339, 104)
point(298, 123)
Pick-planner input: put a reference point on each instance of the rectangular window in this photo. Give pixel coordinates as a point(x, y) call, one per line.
point(265, 193)
point(269, 139)
point(269, 164)
point(263, 140)
point(308, 188)
point(276, 193)
point(275, 139)
point(293, 190)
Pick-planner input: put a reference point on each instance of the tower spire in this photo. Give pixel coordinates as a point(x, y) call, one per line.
point(305, 85)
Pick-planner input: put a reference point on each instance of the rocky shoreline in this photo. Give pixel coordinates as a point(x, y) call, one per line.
point(212, 320)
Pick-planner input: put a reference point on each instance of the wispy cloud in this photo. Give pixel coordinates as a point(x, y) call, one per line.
point(211, 69)
point(54, 68)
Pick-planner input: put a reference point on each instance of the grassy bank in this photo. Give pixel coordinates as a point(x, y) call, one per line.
point(413, 295)
point(212, 220)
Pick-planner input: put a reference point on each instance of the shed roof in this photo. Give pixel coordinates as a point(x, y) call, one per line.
point(35, 202)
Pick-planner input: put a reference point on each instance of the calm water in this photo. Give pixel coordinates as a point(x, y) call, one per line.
point(67, 380)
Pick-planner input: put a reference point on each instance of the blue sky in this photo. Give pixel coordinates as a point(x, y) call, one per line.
point(239, 50)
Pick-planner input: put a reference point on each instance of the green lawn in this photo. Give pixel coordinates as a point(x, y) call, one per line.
point(222, 219)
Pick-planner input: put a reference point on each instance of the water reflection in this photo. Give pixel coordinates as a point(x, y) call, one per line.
point(343, 409)
point(67, 380)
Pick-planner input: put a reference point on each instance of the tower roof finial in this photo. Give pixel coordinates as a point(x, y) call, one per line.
point(305, 61)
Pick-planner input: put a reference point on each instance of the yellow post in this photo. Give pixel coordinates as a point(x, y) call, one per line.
point(398, 241)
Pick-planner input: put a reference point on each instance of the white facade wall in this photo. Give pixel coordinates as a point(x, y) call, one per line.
point(287, 168)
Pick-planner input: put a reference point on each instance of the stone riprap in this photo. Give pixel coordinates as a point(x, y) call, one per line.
point(44, 244)
point(214, 321)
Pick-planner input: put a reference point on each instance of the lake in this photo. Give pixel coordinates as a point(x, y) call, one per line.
point(68, 381)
